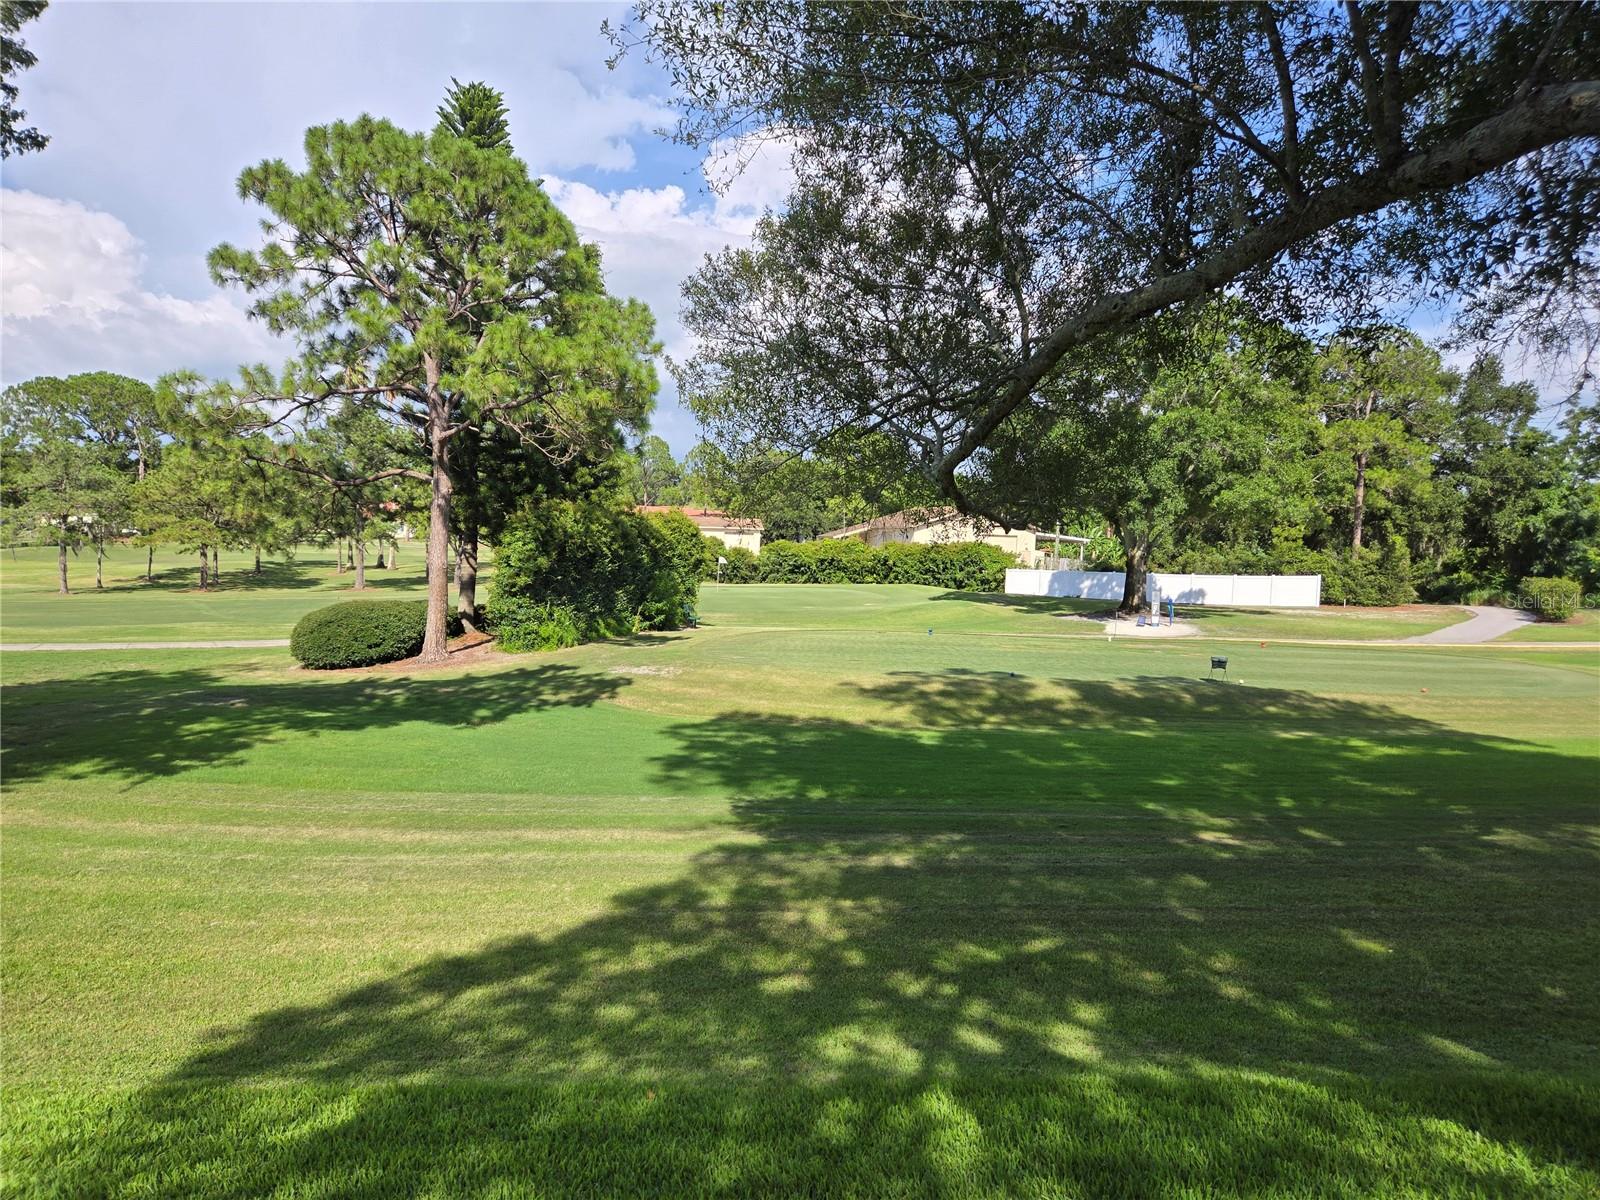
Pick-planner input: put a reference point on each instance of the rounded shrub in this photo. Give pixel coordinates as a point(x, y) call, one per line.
point(359, 633)
point(1550, 599)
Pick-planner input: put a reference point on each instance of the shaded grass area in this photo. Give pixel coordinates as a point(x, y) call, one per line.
point(739, 911)
point(1114, 1134)
point(170, 608)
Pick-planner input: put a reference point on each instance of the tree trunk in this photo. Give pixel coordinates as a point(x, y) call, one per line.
point(150, 552)
point(61, 566)
point(435, 644)
point(216, 570)
point(361, 563)
point(468, 516)
point(257, 571)
point(205, 565)
point(338, 555)
point(99, 564)
point(467, 580)
point(1358, 509)
point(1135, 573)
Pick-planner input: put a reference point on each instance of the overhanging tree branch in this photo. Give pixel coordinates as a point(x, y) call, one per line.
point(1545, 117)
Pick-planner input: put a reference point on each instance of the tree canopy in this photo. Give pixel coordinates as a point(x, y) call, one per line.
point(477, 112)
point(985, 192)
point(62, 486)
point(15, 57)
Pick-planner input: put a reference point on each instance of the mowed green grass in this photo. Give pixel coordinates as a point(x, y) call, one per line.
point(1584, 626)
point(247, 606)
point(909, 608)
point(779, 908)
point(243, 607)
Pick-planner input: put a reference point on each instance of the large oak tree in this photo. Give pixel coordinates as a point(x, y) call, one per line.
point(986, 191)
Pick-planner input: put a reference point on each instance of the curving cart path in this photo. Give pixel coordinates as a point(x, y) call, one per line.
point(1486, 624)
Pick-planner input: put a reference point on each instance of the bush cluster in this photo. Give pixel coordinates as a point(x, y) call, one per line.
point(362, 633)
point(742, 565)
point(956, 566)
point(571, 571)
point(1551, 599)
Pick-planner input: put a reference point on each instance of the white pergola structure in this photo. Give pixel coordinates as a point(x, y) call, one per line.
point(1056, 539)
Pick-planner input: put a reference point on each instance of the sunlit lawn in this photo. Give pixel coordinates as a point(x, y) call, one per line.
point(128, 609)
point(1583, 627)
point(911, 608)
point(773, 908)
point(248, 606)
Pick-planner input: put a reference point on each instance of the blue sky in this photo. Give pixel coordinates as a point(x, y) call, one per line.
point(153, 109)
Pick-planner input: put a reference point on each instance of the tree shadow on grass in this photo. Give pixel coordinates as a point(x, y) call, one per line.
point(1140, 939)
point(148, 724)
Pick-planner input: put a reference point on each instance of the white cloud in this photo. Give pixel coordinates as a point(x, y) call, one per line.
point(594, 127)
point(72, 299)
point(653, 238)
point(750, 175)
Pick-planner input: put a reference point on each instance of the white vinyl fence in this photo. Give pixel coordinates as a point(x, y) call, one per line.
point(1225, 591)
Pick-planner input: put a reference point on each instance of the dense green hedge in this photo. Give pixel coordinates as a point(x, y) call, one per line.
point(958, 566)
point(361, 633)
point(570, 571)
point(741, 565)
point(1551, 599)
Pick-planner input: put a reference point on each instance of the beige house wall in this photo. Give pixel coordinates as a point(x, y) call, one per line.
point(749, 539)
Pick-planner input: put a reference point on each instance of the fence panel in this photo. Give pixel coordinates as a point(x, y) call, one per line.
point(1212, 591)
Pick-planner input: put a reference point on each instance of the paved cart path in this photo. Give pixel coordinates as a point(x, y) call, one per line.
point(1486, 624)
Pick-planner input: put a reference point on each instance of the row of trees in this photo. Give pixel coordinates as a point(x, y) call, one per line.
point(98, 458)
point(1223, 444)
point(1219, 442)
point(457, 354)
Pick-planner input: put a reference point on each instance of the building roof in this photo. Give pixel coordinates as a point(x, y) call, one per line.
point(706, 518)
